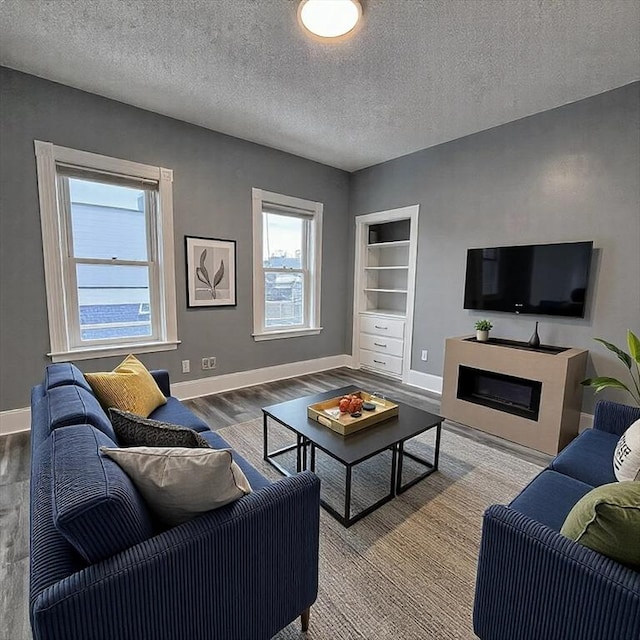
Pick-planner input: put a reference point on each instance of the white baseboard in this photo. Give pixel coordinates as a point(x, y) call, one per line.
point(426, 381)
point(15, 421)
point(240, 379)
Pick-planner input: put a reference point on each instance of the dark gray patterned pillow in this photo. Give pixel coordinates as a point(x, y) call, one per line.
point(133, 430)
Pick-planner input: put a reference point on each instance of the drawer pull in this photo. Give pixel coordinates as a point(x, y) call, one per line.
point(379, 361)
point(377, 326)
point(379, 344)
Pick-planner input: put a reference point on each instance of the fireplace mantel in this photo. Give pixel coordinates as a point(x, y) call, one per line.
point(555, 371)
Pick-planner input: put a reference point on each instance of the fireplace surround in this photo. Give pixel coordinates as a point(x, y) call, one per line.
point(531, 396)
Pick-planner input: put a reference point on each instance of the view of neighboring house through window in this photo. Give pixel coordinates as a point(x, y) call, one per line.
point(107, 230)
point(112, 259)
point(287, 250)
point(285, 268)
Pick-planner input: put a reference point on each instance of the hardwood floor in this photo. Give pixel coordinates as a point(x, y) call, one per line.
point(218, 411)
point(232, 407)
point(14, 536)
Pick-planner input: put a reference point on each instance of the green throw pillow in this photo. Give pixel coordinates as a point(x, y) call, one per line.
point(607, 520)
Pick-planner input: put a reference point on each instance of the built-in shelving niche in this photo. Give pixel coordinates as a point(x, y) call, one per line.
point(385, 275)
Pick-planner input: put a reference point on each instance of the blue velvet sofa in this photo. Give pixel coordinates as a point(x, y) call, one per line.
point(243, 571)
point(535, 584)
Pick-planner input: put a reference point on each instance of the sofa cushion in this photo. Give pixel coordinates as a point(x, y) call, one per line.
point(62, 373)
point(96, 507)
point(255, 478)
point(589, 458)
point(133, 430)
point(549, 497)
point(607, 520)
point(179, 484)
point(626, 458)
point(175, 412)
point(70, 404)
point(129, 387)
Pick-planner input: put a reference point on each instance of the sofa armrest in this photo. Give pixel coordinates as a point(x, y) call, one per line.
point(614, 417)
point(161, 376)
point(243, 571)
point(534, 583)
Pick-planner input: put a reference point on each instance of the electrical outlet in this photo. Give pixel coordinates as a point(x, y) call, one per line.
point(186, 366)
point(425, 355)
point(208, 363)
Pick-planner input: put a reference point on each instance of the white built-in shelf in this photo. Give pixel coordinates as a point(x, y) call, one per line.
point(389, 268)
point(387, 290)
point(384, 312)
point(395, 243)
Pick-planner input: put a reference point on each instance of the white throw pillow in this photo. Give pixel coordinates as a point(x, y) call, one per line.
point(626, 458)
point(180, 483)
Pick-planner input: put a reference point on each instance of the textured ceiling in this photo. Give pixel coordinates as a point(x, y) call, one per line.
point(416, 72)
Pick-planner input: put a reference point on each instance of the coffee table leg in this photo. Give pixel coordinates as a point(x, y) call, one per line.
point(265, 445)
point(270, 456)
point(347, 496)
point(313, 457)
point(431, 466)
point(400, 449)
point(394, 461)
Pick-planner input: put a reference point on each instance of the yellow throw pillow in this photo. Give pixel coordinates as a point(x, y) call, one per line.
point(129, 387)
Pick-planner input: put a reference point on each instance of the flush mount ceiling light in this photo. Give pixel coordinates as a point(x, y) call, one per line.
point(329, 19)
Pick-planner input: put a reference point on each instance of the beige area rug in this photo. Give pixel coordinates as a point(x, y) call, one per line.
point(406, 571)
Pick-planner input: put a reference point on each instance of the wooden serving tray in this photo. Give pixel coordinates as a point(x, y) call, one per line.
point(343, 423)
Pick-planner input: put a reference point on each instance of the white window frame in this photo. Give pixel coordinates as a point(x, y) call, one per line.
point(313, 212)
point(60, 285)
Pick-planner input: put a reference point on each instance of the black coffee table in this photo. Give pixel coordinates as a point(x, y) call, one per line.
point(352, 449)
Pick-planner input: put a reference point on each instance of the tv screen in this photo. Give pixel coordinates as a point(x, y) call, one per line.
point(545, 279)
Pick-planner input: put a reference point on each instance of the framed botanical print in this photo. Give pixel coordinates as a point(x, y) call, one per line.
point(211, 272)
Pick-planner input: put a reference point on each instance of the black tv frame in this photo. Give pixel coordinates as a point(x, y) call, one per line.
point(510, 301)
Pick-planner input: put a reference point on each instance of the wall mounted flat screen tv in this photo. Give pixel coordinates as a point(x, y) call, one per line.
point(545, 279)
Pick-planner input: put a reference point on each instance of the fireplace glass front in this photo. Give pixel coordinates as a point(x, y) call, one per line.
point(518, 396)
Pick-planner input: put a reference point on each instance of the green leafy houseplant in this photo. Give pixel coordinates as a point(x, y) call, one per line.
point(483, 325)
point(631, 360)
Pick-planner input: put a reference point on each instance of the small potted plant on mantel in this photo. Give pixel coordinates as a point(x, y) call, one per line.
point(482, 330)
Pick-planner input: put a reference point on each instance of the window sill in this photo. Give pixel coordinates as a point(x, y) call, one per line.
point(286, 333)
point(116, 350)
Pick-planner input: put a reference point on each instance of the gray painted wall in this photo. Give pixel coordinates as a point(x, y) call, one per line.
point(568, 174)
point(213, 176)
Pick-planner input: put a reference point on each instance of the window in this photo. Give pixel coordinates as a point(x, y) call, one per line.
point(107, 234)
point(287, 248)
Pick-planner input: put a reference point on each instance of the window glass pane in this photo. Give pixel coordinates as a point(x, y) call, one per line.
point(284, 299)
point(283, 240)
point(113, 301)
point(108, 221)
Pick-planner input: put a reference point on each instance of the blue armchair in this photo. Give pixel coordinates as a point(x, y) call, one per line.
point(535, 584)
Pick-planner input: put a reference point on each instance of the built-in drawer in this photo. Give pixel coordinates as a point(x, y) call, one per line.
point(381, 326)
point(382, 362)
point(382, 344)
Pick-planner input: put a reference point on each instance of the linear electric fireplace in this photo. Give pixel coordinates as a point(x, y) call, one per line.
point(509, 404)
point(510, 394)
